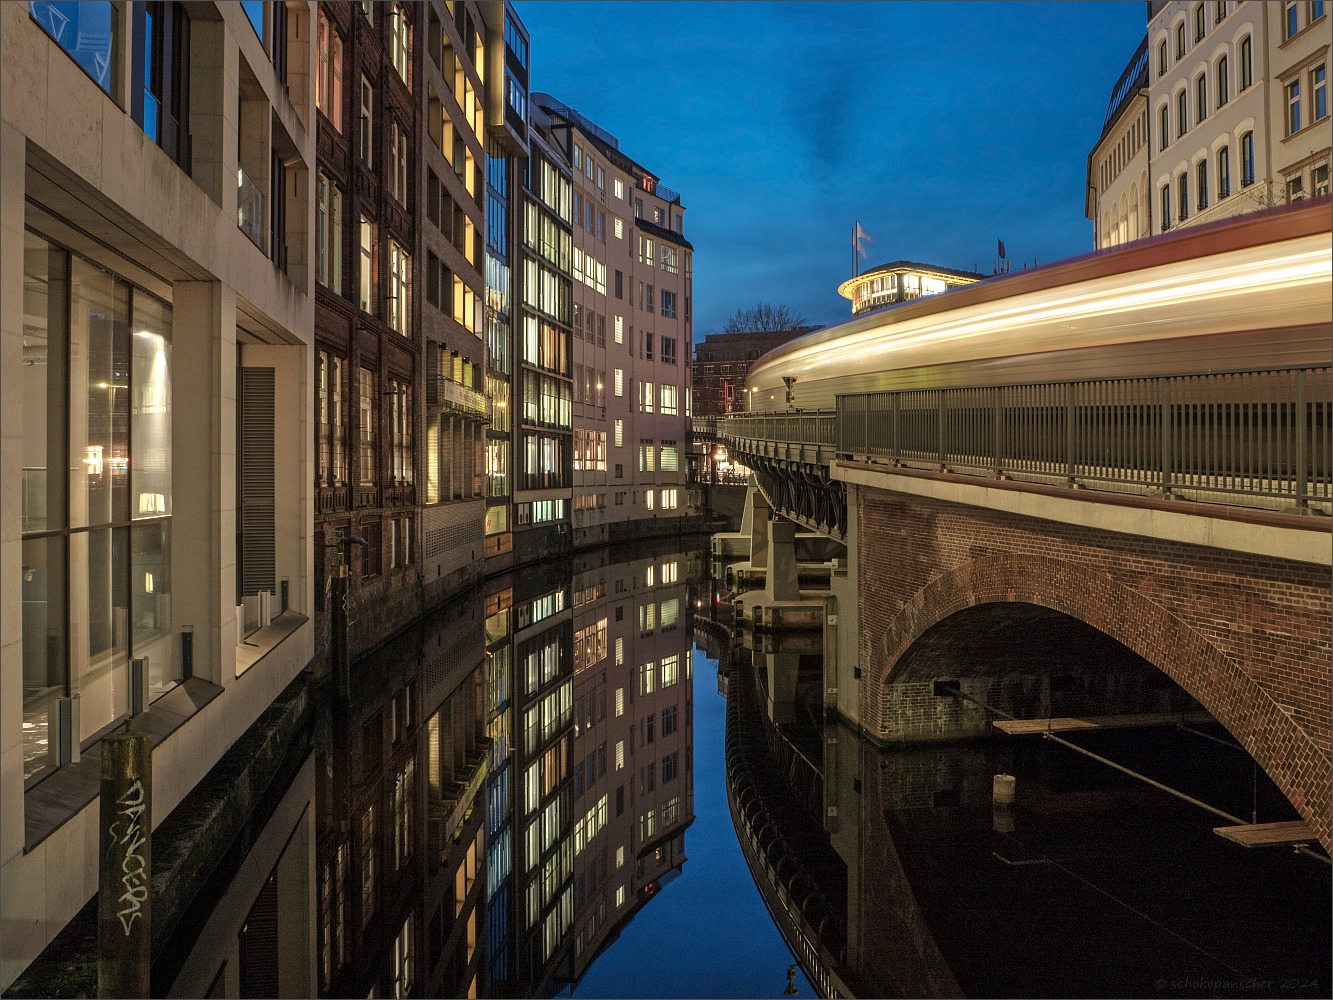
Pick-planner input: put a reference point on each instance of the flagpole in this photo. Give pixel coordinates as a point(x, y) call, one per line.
point(856, 250)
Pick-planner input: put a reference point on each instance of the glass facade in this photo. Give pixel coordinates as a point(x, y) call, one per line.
point(96, 388)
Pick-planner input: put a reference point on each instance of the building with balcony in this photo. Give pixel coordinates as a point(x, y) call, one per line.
point(1238, 108)
point(900, 281)
point(157, 268)
point(543, 430)
point(630, 313)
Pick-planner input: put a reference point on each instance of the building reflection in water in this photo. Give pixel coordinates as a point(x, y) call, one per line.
point(508, 783)
point(890, 872)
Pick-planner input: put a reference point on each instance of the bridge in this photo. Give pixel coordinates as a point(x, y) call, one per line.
point(1053, 548)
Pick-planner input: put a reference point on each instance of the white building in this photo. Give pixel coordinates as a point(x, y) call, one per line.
point(1236, 107)
point(155, 357)
point(1117, 199)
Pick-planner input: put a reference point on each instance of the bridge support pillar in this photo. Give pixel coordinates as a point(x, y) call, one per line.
point(759, 514)
point(781, 671)
point(780, 582)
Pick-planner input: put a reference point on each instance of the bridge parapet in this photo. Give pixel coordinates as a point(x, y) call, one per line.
point(1256, 437)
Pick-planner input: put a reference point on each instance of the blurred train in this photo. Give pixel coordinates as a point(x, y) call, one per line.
point(1251, 292)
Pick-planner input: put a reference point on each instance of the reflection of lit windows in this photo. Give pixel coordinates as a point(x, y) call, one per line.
point(670, 665)
point(403, 960)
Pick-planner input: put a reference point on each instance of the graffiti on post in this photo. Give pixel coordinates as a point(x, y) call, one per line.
point(127, 833)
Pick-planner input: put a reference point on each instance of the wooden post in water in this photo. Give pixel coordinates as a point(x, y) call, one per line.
point(124, 897)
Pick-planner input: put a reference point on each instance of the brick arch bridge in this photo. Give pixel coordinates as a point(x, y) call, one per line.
point(1246, 636)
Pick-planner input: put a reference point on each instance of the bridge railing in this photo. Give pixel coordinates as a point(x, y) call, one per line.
point(1249, 437)
point(816, 427)
point(1243, 434)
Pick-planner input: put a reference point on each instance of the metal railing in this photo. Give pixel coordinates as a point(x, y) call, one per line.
point(816, 427)
point(1236, 436)
point(448, 394)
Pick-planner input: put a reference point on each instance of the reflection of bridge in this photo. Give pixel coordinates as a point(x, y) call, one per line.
point(1181, 511)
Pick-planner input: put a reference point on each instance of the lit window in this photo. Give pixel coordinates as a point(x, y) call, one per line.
point(367, 122)
point(367, 264)
point(329, 85)
point(619, 382)
point(329, 234)
point(400, 42)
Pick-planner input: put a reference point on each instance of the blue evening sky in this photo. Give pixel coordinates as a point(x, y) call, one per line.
point(940, 126)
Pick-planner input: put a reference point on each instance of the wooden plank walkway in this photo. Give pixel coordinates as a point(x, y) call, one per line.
point(1028, 727)
point(1285, 834)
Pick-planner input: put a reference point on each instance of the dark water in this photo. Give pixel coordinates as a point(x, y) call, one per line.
point(1094, 884)
point(507, 806)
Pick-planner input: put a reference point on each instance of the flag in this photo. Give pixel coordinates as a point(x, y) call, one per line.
point(859, 235)
point(1001, 244)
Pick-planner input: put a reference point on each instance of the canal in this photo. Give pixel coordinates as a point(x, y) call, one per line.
point(573, 782)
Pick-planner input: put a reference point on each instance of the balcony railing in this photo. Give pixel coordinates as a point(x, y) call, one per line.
point(1244, 437)
point(250, 214)
point(445, 394)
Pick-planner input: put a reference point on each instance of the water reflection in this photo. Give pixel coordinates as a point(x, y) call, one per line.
point(891, 872)
point(509, 783)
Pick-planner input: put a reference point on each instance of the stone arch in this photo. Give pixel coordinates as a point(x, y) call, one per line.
point(1210, 676)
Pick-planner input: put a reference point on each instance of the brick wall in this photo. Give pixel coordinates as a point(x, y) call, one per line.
point(1247, 636)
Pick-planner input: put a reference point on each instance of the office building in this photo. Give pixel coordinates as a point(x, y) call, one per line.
point(158, 176)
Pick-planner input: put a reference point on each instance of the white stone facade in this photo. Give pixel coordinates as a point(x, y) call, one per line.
point(209, 226)
point(1217, 72)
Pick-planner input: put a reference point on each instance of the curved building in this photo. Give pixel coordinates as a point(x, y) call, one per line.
point(900, 281)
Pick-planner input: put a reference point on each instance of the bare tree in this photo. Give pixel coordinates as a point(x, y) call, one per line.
point(764, 318)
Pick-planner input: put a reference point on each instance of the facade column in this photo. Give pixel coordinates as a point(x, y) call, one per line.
point(203, 456)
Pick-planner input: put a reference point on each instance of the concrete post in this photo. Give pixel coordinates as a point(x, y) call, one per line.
point(780, 582)
point(125, 866)
point(758, 511)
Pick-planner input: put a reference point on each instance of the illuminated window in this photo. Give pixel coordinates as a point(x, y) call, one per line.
point(329, 84)
point(365, 299)
point(367, 147)
point(400, 42)
point(329, 234)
